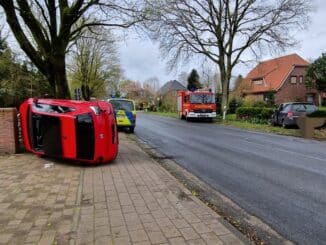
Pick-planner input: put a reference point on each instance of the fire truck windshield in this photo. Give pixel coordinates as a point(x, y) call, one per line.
point(202, 98)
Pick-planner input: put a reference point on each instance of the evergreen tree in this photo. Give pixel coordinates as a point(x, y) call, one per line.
point(193, 81)
point(316, 73)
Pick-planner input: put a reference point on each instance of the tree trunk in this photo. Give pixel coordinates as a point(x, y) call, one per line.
point(225, 80)
point(225, 97)
point(58, 77)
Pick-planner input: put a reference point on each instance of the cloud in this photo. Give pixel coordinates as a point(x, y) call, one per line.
point(141, 59)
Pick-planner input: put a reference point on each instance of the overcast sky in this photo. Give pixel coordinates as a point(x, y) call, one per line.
point(141, 59)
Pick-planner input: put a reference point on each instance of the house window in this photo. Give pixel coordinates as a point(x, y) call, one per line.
point(310, 97)
point(258, 81)
point(301, 79)
point(293, 79)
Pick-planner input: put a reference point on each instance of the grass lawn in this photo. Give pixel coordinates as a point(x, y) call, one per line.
point(231, 121)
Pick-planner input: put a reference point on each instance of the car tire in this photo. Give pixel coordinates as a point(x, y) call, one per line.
point(131, 130)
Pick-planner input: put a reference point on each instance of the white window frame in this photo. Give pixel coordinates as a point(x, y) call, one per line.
point(258, 82)
point(292, 81)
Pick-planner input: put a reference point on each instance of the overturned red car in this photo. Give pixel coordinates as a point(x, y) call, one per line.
point(77, 130)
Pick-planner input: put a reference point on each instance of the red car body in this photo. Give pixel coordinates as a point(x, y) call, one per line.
point(77, 130)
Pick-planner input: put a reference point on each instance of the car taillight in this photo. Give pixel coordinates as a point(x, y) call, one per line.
point(290, 114)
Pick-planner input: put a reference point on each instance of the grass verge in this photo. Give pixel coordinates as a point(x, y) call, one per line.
point(164, 114)
point(232, 122)
point(266, 128)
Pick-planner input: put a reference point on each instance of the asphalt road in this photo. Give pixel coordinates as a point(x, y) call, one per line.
point(281, 180)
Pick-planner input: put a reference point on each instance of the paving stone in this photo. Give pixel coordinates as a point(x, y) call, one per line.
point(156, 237)
point(130, 201)
point(219, 229)
point(230, 239)
point(211, 238)
point(146, 218)
point(121, 241)
point(180, 223)
point(201, 228)
point(119, 231)
point(5, 238)
point(177, 241)
point(152, 226)
point(138, 236)
point(189, 233)
point(170, 231)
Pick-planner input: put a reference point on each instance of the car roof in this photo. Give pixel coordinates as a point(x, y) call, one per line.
point(300, 103)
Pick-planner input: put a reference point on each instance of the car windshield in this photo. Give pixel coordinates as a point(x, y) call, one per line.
point(304, 107)
point(122, 105)
point(202, 98)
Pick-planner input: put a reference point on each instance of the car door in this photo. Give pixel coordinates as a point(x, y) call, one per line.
point(277, 114)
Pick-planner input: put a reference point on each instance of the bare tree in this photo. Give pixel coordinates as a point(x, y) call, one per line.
point(95, 65)
point(152, 84)
point(225, 31)
point(44, 29)
point(182, 78)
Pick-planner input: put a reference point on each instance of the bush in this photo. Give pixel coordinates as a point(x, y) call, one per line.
point(259, 104)
point(254, 114)
point(317, 114)
point(233, 105)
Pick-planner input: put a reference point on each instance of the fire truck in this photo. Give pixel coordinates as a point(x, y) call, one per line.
point(196, 104)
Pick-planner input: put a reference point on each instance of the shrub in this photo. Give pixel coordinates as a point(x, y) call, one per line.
point(254, 114)
point(233, 105)
point(259, 104)
point(318, 114)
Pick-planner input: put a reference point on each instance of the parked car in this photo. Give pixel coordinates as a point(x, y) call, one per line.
point(287, 113)
point(125, 113)
point(77, 130)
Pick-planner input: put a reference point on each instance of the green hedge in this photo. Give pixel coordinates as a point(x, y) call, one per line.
point(254, 114)
point(318, 114)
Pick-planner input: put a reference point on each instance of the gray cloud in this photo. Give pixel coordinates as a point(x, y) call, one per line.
point(141, 59)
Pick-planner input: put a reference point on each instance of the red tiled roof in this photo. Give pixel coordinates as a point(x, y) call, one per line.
point(273, 72)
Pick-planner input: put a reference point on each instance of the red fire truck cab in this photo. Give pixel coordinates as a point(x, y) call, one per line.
point(196, 104)
point(77, 130)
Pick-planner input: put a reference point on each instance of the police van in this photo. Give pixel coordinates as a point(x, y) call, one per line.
point(125, 113)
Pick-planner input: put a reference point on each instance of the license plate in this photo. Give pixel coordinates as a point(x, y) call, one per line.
point(203, 115)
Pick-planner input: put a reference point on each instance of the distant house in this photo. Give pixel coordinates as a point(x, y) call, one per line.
point(171, 86)
point(168, 95)
point(281, 79)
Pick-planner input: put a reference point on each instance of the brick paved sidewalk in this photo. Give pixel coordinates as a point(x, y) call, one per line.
point(131, 201)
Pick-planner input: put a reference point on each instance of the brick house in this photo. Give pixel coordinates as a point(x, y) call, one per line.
point(168, 95)
point(281, 79)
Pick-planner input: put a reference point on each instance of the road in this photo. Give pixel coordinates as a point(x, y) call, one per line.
point(280, 179)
